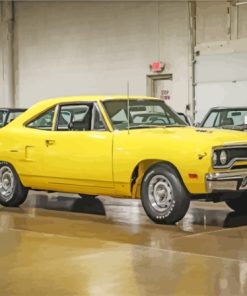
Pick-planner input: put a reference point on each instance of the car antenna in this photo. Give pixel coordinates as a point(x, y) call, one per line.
point(128, 107)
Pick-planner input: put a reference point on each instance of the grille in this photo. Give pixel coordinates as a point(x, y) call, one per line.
point(237, 153)
point(239, 167)
point(233, 154)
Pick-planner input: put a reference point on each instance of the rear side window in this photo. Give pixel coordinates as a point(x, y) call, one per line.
point(43, 121)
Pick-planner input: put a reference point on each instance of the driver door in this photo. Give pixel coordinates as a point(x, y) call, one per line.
point(78, 153)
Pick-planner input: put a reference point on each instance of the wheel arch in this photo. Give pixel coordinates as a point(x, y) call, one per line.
point(140, 170)
point(14, 168)
point(8, 163)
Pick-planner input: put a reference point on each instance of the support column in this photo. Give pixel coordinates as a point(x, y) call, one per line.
point(191, 58)
point(234, 21)
point(6, 51)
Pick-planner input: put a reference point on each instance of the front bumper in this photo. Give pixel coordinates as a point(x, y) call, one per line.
point(220, 182)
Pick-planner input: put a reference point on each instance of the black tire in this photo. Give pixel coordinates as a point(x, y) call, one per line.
point(12, 192)
point(86, 195)
point(238, 204)
point(174, 200)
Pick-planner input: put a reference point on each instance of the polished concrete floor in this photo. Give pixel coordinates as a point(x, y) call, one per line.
point(58, 244)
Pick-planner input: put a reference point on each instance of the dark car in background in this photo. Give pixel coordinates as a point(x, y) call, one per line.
point(234, 118)
point(9, 114)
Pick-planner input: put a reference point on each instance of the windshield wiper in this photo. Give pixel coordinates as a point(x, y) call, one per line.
point(176, 125)
point(146, 126)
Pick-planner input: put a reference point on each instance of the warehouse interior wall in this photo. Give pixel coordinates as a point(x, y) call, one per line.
point(216, 21)
point(88, 48)
point(71, 48)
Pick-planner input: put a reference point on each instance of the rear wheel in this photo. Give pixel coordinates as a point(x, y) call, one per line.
point(12, 192)
point(238, 204)
point(164, 197)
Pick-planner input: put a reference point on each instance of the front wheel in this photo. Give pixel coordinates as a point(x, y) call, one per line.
point(164, 197)
point(12, 192)
point(238, 204)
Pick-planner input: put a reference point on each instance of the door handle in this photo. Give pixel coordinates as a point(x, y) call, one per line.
point(49, 142)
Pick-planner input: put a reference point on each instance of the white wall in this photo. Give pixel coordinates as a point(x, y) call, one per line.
point(70, 48)
point(211, 21)
point(220, 68)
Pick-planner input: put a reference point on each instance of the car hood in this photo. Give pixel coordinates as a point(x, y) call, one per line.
point(196, 136)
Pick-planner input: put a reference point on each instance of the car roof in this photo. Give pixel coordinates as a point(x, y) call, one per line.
point(229, 108)
point(53, 101)
point(94, 98)
point(48, 103)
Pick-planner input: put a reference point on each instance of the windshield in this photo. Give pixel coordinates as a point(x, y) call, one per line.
point(143, 113)
point(227, 117)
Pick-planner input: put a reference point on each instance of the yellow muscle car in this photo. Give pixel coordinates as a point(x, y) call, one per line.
point(133, 147)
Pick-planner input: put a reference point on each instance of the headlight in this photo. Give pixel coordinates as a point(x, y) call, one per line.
point(223, 157)
point(215, 158)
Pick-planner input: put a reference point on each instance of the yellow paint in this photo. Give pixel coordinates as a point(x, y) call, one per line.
point(102, 162)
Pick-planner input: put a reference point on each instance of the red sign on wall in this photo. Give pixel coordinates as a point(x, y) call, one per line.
point(157, 66)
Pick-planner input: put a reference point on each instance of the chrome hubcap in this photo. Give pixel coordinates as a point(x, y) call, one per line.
point(160, 193)
point(7, 183)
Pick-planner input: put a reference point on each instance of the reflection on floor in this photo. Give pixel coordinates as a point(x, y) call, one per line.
point(61, 244)
point(99, 206)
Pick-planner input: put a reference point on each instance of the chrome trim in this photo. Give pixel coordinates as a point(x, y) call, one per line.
point(230, 163)
point(232, 181)
point(233, 145)
point(96, 105)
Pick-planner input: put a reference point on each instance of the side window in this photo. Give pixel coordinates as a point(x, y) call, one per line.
point(120, 117)
point(74, 117)
point(97, 121)
point(43, 121)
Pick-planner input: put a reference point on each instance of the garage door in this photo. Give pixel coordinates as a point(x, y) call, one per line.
point(221, 80)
